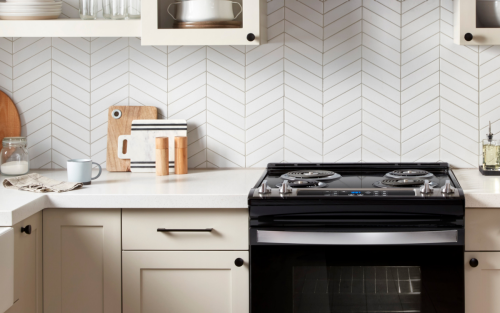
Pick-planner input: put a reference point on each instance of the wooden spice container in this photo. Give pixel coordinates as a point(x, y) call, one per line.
point(181, 162)
point(162, 164)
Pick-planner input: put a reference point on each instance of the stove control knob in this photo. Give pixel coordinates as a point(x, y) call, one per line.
point(264, 188)
point(285, 187)
point(447, 188)
point(426, 188)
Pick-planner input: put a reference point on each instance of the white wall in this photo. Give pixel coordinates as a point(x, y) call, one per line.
point(339, 81)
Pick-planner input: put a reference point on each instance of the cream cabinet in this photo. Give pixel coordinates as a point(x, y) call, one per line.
point(82, 261)
point(185, 282)
point(482, 230)
point(158, 25)
point(468, 29)
point(482, 260)
point(482, 282)
point(28, 266)
point(211, 278)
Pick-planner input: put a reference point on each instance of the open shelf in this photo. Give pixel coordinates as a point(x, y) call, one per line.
point(70, 28)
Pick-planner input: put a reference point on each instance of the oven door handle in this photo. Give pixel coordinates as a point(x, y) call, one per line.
point(356, 238)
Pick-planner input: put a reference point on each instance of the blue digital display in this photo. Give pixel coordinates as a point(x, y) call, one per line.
point(355, 191)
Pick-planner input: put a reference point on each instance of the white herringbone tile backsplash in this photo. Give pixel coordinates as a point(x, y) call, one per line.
point(339, 81)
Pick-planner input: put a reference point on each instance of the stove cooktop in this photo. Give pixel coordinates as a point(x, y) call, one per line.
point(401, 180)
point(355, 179)
point(357, 190)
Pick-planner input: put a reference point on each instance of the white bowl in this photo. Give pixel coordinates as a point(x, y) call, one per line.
point(28, 17)
point(488, 14)
point(28, 14)
point(2, 9)
point(30, 8)
point(24, 5)
point(32, 1)
point(30, 11)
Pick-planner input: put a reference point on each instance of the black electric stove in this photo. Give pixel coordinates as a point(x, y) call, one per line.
point(361, 237)
point(358, 187)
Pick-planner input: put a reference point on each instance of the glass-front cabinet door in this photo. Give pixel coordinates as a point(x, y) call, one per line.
point(475, 22)
point(204, 22)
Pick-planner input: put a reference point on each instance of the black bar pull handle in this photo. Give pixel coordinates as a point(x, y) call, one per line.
point(208, 230)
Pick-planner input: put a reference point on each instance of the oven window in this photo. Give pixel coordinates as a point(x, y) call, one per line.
point(370, 289)
point(360, 279)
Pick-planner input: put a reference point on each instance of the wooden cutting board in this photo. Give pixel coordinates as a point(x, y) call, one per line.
point(122, 126)
point(10, 123)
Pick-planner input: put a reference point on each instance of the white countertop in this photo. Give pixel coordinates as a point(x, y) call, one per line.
point(215, 188)
point(226, 188)
point(480, 191)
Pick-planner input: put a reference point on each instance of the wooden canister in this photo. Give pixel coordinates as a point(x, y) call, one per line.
point(161, 156)
point(181, 162)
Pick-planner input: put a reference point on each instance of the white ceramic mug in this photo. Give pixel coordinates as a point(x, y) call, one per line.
point(80, 171)
point(204, 11)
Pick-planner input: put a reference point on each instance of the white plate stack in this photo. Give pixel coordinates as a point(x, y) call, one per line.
point(30, 9)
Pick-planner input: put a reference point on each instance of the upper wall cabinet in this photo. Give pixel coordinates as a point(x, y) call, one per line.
point(476, 22)
point(163, 22)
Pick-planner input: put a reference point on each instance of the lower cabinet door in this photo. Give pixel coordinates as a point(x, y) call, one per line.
point(482, 282)
point(28, 266)
point(185, 282)
point(82, 261)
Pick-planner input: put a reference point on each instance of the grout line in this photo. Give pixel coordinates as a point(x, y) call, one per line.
point(401, 83)
point(323, 85)
point(362, 54)
point(206, 106)
point(440, 125)
point(51, 104)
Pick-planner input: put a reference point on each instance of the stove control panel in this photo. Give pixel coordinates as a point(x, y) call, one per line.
point(357, 193)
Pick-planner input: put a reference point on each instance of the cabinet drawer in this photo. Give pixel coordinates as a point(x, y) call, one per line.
point(482, 230)
point(184, 229)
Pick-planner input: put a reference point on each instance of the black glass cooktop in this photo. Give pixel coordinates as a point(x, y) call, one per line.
point(355, 179)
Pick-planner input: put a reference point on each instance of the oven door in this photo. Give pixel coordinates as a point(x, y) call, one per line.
point(366, 271)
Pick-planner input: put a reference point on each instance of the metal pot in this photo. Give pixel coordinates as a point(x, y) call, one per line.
point(204, 11)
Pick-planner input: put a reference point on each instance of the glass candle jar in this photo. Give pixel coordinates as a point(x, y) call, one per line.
point(14, 159)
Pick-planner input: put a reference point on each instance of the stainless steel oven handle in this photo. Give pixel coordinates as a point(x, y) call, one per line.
point(358, 238)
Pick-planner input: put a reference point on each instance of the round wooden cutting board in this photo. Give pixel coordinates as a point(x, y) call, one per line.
point(10, 123)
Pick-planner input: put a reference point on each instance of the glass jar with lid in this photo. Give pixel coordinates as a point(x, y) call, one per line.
point(14, 159)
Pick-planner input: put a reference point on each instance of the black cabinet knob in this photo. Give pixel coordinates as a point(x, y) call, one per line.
point(239, 262)
point(250, 37)
point(468, 37)
point(474, 262)
point(26, 229)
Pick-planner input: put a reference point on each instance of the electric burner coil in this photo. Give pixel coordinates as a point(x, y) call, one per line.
point(310, 175)
point(410, 174)
point(401, 183)
point(305, 184)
